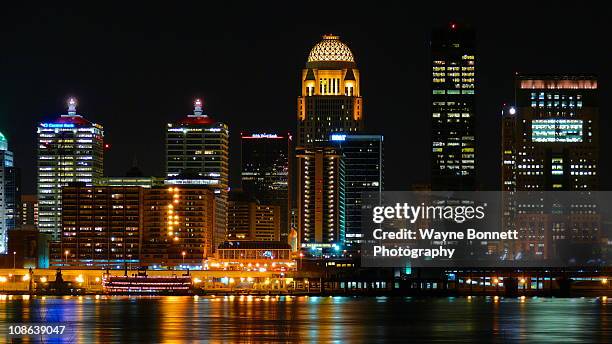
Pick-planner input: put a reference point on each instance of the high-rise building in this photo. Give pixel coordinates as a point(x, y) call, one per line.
point(330, 98)
point(550, 139)
point(101, 227)
point(197, 153)
point(453, 114)
point(363, 176)
point(178, 225)
point(248, 219)
point(321, 195)
point(70, 149)
point(551, 134)
point(266, 172)
point(28, 214)
point(9, 193)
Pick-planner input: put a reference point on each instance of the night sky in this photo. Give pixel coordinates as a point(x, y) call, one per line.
point(135, 68)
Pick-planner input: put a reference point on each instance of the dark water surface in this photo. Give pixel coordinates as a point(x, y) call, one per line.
point(177, 319)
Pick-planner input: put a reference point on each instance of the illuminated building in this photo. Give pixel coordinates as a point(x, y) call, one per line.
point(70, 149)
point(145, 182)
point(550, 140)
point(101, 227)
point(553, 133)
point(28, 214)
point(178, 225)
point(248, 219)
point(453, 80)
point(330, 98)
point(9, 193)
point(321, 194)
point(363, 173)
point(266, 171)
point(198, 147)
point(254, 256)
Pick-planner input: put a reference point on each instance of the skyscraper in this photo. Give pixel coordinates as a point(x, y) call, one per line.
point(197, 153)
point(552, 133)
point(70, 149)
point(550, 140)
point(453, 92)
point(321, 195)
point(330, 98)
point(9, 197)
point(266, 171)
point(363, 173)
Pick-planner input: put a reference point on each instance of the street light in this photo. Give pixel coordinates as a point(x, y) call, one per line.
point(183, 254)
point(14, 255)
point(66, 254)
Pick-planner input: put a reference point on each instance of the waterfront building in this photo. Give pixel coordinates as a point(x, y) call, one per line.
point(259, 256)
point(70, 149)
point(101, 227)
point(178, 226)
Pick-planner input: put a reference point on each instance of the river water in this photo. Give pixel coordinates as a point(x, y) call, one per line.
point(177, 319)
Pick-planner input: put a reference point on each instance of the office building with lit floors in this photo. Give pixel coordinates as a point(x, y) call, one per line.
point(9, 193)
point(197, 153)
point(28, 212)
point(363, 176)
point(101, 227)
point(330, 99)
point(248, 219)
point(178, 226)
point(453, 81)
point(551, 143)
point(321, 196)
point(70, 149)
point(267, 171)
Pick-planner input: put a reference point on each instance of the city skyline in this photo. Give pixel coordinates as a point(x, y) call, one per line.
point(140, 106)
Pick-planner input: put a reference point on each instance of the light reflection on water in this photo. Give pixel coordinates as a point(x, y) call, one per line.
point(174, 319)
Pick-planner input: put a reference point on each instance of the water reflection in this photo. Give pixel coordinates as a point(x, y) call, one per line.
point(229, 319)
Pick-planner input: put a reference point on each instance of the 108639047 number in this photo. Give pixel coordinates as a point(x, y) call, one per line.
point(22, 330)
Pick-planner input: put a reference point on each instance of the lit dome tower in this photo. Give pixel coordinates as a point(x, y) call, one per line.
point(331, 99)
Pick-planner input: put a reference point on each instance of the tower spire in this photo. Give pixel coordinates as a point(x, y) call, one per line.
point(197, 107)
point(72, 103)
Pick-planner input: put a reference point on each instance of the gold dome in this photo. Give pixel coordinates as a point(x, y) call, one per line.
point(330, 49)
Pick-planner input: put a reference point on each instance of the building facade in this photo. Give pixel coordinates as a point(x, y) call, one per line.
point(101, 227)
point(197, 153)
point(9, 193)
point(70, 149)
point(550, 139)
point(363, 176)
point(453, 158)
point(330, 98)
point(266, 172)
point(178, 226)
point(28, 214)
point(321, 195)
point(248, 219)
